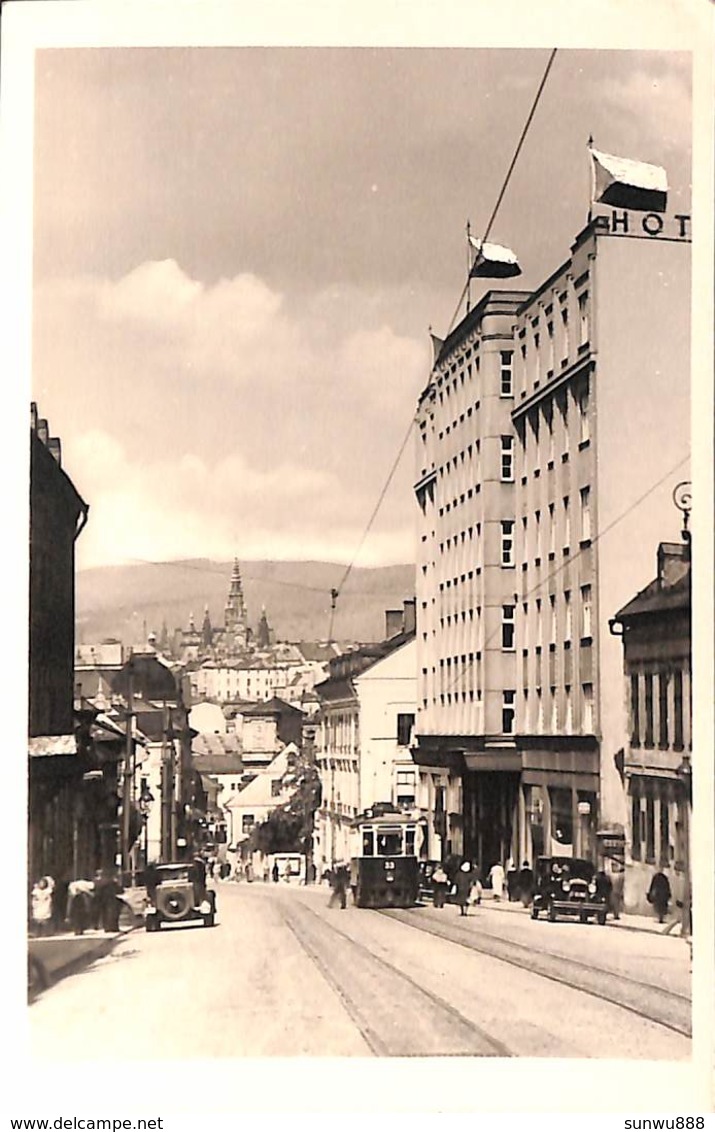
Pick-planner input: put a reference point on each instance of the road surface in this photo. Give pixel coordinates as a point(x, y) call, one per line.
point(282, 974)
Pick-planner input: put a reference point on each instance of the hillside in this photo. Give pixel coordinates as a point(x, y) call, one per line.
point(120, 601)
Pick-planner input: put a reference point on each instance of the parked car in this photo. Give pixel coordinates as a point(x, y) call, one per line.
point(567, 886)
point(178, 893)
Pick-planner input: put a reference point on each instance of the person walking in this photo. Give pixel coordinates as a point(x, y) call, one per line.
point(659, 895)
point(618, 877)
point(339, 884)
point(440, 884)
point(496, 876)
point(526, 884)
point(286, 872)
point(41, 905)
point(275, 872)
point(79, 910)
point(464, 882)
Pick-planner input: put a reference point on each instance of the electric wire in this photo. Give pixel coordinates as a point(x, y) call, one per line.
point(335, 593)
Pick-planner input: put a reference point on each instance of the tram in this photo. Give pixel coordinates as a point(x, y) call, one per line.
point(383, 868)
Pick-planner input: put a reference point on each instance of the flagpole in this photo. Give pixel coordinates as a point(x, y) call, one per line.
point(469, 269)
point(589, 145)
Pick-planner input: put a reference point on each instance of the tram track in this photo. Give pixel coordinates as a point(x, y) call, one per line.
point(412, 1021)
point(655, 1004)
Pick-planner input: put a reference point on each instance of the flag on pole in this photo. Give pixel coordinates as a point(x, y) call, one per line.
point(493, 261)
point(623, 183)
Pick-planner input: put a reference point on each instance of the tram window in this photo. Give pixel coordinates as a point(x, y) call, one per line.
point(368, 843)
point(410, 842)
point(389, 844)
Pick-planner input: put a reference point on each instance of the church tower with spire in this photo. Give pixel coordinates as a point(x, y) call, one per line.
point(235, 612)
point(263, 639)
point(206, 630)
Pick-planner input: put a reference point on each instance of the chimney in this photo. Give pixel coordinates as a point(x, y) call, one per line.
point(393, 623)
point(409, 617)
point(673, 563)
point(43, 431)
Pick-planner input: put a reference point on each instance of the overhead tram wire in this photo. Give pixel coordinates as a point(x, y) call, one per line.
point(335, 592)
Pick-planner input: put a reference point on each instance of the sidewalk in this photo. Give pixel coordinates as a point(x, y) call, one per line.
point(56, 956)
point(627, 922)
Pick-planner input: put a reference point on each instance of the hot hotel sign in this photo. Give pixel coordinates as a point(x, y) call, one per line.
point(644, 225)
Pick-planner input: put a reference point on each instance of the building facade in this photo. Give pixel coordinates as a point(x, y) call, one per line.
point(549, 418)
point(655, 630)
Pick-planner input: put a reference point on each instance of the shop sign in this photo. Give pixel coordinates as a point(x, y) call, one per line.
point(640, 225)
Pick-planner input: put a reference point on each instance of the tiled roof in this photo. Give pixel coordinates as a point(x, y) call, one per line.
point(218, 764)
point(656, 598)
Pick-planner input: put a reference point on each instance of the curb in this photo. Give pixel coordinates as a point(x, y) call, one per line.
point(73, 966)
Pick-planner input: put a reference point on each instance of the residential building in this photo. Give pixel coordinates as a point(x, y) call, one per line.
point(362, 751)
point(543, 437)
point(250, 805)
point(655, 630)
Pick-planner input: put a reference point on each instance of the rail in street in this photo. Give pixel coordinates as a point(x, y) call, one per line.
point(664, 1007)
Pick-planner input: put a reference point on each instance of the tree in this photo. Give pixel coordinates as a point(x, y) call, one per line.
point(289, 827)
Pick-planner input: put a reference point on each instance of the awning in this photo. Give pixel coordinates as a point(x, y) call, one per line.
point(47, 746)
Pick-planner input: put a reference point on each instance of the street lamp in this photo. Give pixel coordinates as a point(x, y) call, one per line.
point(685, 778)
point(683, 500)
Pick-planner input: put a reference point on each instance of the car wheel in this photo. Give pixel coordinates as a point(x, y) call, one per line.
point(552, 914)
point(601, 917)
point(152, 924)
point(583, 918)
point(209, 920)
point(534, 913)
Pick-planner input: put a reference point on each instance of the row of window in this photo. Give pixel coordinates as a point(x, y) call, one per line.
point(647, 712)
point(585, 528)
point(449, 388)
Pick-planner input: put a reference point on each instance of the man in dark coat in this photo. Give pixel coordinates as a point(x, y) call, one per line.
point(526, 884)
point(340, 886)
point(464, 881)
point(659, 895)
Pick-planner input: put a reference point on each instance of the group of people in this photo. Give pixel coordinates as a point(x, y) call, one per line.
point(80, 903)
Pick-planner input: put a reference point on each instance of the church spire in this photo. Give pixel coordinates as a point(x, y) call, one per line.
point(206, 630)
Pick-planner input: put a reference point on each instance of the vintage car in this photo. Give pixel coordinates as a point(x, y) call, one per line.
point(568, 886)
point(178, 893)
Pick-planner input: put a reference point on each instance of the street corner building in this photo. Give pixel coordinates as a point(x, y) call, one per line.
point(552, 430)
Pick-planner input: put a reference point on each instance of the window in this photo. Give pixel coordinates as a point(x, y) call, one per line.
point(663, 710)
point(586, 625)
point(552, 531)
point(507, 373)
point(584, 421)
point(507, 627)
point(507, 542)
point(635, 711)
point(678, 710)
point(507, 459)
point(664, 832)
point(650, 829)
point(537, 517)
point(567, 523)
point(275, 787)
point(587, 721)
point(550, 356)
point(508, 712)
point(648, 682)
point(568, 616)
point(405, 786)
point(247, 823)
point(585, 495)
point(583, 318)
point(405, 723)
point(636, 832)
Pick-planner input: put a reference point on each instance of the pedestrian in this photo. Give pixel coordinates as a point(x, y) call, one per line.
point(238, 872)
point(112, 902)
point(604, 888)
point(464, 882)
point(339, 884)
point(275, 872)
point(496, 876)
point(79, 910)
point(266, 872)
point(659, 895)
point(512, 881)
point(286, 872)
point(526, 884)
point(617, 886)
point(41, 905)
point(440, 885)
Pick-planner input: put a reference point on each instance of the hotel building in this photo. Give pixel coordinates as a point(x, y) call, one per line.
point(546, 438)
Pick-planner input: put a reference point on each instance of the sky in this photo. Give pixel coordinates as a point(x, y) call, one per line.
point(239, 253)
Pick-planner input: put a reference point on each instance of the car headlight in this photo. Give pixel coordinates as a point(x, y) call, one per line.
point(592, 888)
point(566, 885)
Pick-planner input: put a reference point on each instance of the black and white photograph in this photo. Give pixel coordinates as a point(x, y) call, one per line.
point(366, 676)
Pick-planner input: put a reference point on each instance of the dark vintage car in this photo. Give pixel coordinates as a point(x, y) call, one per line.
point(177, 893)
point(568, 886)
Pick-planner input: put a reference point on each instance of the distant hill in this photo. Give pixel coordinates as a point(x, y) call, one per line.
point(123, 601)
